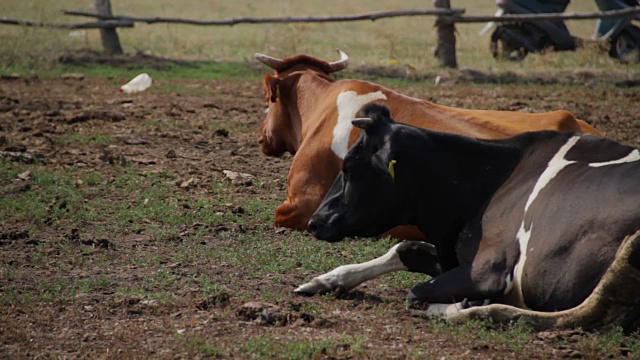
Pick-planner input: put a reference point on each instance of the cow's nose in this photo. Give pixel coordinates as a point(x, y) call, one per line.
point(312, 226)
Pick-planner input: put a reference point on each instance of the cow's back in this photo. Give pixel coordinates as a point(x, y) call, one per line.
point(489, 124)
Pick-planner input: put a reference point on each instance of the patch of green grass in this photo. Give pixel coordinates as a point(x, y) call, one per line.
point(150, 206)
point(9, 294)
point(51, 195)
point(208, 286)
point(126, 181)
point(405, 280)
point(160, 285)
point(55, 291)
point(607, 344)
point(196, 346)
point(92, 178)
point(163, 278)
point(261, 209)
point(139, 202)
point(269, 347)
point(311, 308)
point(84, 139)
point(127, 290)
point(513, 337)
point(9, 171)
point(93, 284)
point(117, 74)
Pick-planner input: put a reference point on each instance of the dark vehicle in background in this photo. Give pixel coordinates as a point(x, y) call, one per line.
point(513, 41)
point(624, 37)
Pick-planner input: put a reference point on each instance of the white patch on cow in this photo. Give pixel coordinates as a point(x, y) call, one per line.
point(444, 309)
point(350, 276)
point(523, 237)
point(631, 157)
point(348, 103)
point(509, 283)
point(555, 165)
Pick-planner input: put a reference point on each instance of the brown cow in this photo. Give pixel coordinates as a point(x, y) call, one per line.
point(310, 115)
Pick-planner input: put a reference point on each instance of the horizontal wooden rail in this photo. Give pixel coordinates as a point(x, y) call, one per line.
point(542, 16)
point(454, 15)
point(284, 19)
point(88, 25)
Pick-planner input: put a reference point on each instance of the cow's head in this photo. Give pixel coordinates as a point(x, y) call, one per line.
point(280, 131)
point(366, 197)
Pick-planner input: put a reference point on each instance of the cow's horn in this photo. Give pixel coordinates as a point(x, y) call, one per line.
point(340, 64)
point(362, 123)
point(275, 64)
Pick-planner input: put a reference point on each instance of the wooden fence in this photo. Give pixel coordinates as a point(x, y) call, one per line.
point(446, 18)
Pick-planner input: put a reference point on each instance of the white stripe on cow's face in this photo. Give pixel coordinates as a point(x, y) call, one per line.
point(348, 103)
point(633, 156)
point(555, 165)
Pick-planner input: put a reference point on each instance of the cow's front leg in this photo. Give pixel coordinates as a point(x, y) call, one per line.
point(289, 216)
point(416, 256)
point(449, 310)
point(310, 176)
point(459, 284)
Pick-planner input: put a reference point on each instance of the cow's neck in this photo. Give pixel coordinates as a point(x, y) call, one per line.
point(307, 103)
point(462, 173)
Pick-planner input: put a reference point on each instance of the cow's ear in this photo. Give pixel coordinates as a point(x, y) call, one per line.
point(272, 87)
point(391, 169)
point(385, 162)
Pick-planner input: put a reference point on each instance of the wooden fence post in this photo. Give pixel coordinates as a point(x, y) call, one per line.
point(446, 47)
point(110, 40)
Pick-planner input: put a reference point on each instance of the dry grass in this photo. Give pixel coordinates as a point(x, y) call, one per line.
point(406, 42)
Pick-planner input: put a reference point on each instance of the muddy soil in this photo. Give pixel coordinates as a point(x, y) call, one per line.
point(194, 130)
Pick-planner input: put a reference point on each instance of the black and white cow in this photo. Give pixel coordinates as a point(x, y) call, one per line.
point(533, 221)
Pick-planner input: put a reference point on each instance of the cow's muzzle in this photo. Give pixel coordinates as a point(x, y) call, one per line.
point(322, 231)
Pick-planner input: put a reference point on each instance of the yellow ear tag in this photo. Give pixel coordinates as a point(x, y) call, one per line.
point(391, 169)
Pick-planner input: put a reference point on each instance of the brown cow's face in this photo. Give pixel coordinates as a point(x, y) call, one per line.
point(268, 140)
point(281, 129)
point(275, 131)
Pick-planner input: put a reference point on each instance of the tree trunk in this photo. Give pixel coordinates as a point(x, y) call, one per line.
point(446, 47)
point(110, 40)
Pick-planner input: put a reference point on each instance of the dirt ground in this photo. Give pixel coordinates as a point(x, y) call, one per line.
point(220, 120)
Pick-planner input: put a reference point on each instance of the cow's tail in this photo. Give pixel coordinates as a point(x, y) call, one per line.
point(614, 302)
